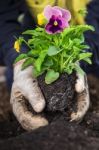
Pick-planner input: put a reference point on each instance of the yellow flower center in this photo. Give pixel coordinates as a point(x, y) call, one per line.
point(55, 23)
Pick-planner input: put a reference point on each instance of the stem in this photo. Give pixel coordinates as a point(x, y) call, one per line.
point(68, 59)
point(56, 40)
point(61, 63)
point(27, 44)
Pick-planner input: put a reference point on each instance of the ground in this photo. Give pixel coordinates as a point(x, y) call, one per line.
point(59, 134)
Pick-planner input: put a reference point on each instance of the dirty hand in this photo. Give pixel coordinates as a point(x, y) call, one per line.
point(25, 87)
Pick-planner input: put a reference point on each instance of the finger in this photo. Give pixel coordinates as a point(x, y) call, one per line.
point(79, 86)
point(83, 102)
point(25, 117)
point(34, 95)
point(76, 116)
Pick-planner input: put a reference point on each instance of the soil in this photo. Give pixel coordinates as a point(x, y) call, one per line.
point(59, 134)
point(60, 94)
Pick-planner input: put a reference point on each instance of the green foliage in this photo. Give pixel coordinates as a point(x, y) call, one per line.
point(56, 53)
point(27, 62)
point(51, 76)
point(52, 50)
point(20, 57)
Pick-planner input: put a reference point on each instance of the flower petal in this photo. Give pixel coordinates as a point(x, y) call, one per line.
point(48, 28)
point(52, 19)
point(17, 46)
point(51, 29)
point(65, 13)
point(50, 11)
point(40, 19)
point(63, 22)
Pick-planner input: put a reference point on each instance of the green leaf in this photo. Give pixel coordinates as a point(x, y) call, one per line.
point(51, 76)
point(33, 53)
point(40, 60)
point(37, 73)
point(27, 62)
point(76, 41)
point(83, 47)
point(29, 32)
point(48, 62)
point(69, 69)
point(53, 51)
point(36, 33)
point(79, 69)
point(39, 29)
point(84, 55)
point(20, 57)
point(88, 60)
point(76, 31)
point(21, 39)
point(30, 41)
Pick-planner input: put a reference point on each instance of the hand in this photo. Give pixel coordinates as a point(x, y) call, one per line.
point(25, 87)
point(83, 100)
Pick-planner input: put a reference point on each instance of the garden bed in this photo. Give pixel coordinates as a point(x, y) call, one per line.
point(59, 134)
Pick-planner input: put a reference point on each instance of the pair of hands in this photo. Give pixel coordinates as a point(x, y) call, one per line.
point(25, 87)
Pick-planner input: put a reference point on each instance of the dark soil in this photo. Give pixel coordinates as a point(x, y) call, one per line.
point(60, 134)
point(60, 94)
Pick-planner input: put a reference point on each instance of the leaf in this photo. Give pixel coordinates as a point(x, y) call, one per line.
point(53, 51)
point(76, 49)
point(35, 32)
point(27, 62)
point(20, 57)
point(48, 62)
point(88, 60)
point(83, 47)
point(84, 55)
point(76, 40)
point(69, 69)
point(21, 39)
point(37, 73)
point(40, 60)
point(76, 31)
point(29, 32)
point(39, 29)
point(30, 41)
point(33, 53)
point(51, 76)
point(79, 69)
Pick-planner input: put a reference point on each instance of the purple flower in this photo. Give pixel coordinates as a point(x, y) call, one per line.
point(58, 19)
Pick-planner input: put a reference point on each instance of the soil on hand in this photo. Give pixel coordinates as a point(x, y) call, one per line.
point(60, 133)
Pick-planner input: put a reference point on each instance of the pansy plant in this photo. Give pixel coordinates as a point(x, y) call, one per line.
point(55, 48)
point(58, 19)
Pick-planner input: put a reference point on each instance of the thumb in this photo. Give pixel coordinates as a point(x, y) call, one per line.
point(33, 94)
